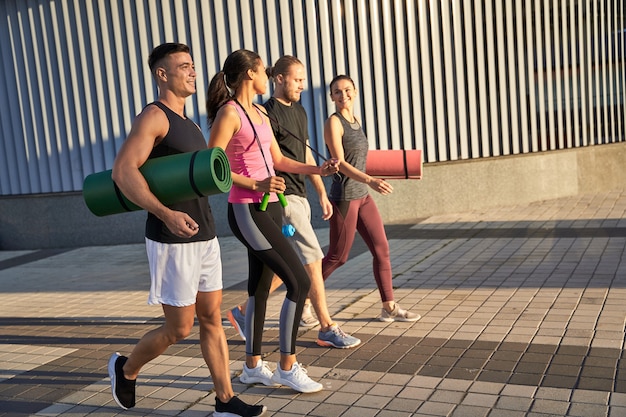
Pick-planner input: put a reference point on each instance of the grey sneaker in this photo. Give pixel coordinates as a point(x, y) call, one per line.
point(296, 378)
point(260, 374)
point(238, 321)
point(335, 337)
point(308, 319)
point(398, 314)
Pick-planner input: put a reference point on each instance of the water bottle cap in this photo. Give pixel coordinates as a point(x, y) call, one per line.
point(288, 230)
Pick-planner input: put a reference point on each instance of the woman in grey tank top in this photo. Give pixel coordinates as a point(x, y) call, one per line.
point(354, 209)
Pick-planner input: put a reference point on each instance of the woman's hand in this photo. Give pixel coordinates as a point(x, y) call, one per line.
point(273, 184)
point(329, 167)
point(380, 185)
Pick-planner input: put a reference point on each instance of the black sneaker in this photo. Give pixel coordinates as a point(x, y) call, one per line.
point(123, 389)
point(237, 408)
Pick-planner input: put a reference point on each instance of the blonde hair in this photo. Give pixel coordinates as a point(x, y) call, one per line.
point(282, 66)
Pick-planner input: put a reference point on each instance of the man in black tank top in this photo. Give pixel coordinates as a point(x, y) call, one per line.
point(183, 251)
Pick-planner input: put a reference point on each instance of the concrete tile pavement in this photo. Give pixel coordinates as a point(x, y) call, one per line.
point(523, 315)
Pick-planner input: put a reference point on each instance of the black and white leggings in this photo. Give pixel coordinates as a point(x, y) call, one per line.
point(269, 252)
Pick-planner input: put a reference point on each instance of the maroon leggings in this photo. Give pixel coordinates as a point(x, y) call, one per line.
point(363, 216)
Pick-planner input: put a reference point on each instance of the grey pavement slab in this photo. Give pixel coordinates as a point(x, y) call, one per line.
point(523, 315)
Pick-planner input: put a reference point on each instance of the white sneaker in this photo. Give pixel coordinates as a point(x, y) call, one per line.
point(260, 374)
point(397, 314)
point(308, 319)
point(296, 378)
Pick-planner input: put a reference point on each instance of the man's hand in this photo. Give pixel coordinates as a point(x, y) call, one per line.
point(181, 224)
point(327, 207)
point(329, 167)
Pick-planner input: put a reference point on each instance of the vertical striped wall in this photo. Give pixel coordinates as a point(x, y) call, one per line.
point(457, 79)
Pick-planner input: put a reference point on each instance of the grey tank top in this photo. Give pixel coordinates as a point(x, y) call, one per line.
point(355, 147)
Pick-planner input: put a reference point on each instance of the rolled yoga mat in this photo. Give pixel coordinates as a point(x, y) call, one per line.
point(172, 179)
point(394, 164)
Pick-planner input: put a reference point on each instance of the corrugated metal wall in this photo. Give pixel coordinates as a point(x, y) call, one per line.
point(458, 79)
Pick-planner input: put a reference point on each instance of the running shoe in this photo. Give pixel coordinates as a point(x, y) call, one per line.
point(335, 337)
point(260, 374)
point(238, 321)
point(237, 408)
point(296, 378)
point(308, 319)
point(123, 389)
point(398, 314)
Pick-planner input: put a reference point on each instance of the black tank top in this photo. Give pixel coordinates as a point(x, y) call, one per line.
point(182, 136)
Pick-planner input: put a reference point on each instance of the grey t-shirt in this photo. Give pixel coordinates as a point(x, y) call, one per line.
point(355, 148)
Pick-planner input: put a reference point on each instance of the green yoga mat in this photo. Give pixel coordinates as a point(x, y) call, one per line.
point(172, 179)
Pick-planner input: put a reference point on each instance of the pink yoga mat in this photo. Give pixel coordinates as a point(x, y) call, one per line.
point(394, 164)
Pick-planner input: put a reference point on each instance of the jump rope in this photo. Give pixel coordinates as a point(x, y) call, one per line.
point(288, 229)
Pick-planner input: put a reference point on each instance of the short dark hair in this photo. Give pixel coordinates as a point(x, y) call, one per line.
point(163, 51)
point(339, 78)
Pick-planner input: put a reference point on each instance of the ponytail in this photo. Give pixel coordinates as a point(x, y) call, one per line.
point(229, 79)
point(217, 95)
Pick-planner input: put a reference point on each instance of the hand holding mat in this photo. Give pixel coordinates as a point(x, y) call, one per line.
point(172, 179)
point(394, 164)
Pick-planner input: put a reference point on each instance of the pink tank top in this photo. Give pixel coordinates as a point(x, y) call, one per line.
point(246, 158)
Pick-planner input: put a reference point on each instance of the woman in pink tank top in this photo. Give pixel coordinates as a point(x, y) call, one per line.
point(244, 132)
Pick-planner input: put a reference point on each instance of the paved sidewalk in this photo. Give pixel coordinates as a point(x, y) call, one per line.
point(523, 315)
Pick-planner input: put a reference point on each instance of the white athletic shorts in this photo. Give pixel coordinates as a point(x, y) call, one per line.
point(304, 241)
point(178, 271)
